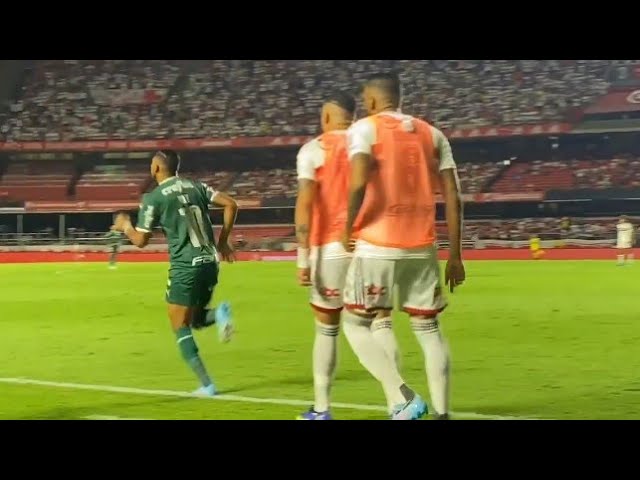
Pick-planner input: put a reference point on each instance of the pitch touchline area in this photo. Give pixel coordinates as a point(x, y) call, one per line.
point(229, 398)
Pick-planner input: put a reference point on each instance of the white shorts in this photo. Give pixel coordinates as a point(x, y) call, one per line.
point(371, 282)
point(624, 245)
point(327, 283)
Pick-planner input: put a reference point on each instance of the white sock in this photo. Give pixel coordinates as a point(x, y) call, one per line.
point(373, 357)
point(382, 331)
point(620, 259)
point(630, 257)
point(324, 363)
point(436, 356)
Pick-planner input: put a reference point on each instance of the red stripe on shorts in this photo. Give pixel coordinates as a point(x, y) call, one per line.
point(424, 313)
point(325, 310)
point(353, 306)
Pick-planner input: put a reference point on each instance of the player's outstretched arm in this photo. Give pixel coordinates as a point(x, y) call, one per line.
point(304, 205)
point(360, 171)
point(230, 212)
point(454, 272)
point(138, 238)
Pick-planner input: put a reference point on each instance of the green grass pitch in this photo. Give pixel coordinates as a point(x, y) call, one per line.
point(547, 340)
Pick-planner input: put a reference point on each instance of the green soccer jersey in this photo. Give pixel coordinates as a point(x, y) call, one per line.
point(181, 207)
point(113, 238)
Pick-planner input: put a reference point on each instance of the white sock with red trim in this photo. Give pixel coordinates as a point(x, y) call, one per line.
point(324, 363)
point(373, 357)
point(436, 356)
point(382, 331)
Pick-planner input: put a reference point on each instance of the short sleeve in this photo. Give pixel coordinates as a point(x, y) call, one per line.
point(209, 192)
point(147, 215)
point(306, 163)
point(442, 145)
point(361, 137)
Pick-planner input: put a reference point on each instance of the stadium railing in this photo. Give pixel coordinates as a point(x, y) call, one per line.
point(95, 242)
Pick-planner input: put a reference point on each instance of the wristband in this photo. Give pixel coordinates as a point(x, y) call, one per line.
point(303, 258)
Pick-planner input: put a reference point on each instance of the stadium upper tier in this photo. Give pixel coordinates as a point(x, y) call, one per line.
point(53, 181)
point(143, 99)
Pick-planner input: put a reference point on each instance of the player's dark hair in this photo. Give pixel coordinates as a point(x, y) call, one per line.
point(386, 82)
point(171, 160)
point(344, 100)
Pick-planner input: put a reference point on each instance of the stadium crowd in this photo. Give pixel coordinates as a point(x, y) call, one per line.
point(269, 237)
point(546, 228)
point(23, 181)
point(134, 99)
point(622, 171)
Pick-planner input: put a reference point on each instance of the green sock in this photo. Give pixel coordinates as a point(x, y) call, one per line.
point(189, 351)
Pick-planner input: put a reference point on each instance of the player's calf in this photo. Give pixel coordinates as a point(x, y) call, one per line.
point(113, 256)
point(325, 346)
point(180, 317)
point(357, 330)
point(436, 355)
point(382, 330)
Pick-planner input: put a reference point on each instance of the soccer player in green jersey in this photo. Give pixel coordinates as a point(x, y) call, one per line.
point(180, 206)
point(114, 240)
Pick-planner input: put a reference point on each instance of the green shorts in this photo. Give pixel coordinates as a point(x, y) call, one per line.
point(192, 286)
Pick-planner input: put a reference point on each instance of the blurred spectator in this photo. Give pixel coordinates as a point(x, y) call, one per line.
point(547, 228)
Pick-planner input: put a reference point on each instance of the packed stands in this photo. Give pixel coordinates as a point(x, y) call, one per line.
point(92, 99)
point(136, 99)
point(617, 172)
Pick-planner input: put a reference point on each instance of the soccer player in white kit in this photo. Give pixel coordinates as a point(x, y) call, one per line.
point(626, 238)
point(397, 163)
point(321, 211)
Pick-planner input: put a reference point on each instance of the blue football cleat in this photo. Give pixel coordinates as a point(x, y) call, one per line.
point(208, 391)
point(224, 322)
point(313, 415)
point(413, 410)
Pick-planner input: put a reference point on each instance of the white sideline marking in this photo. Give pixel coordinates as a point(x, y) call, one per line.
point(231, 398)
point(109, 417)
